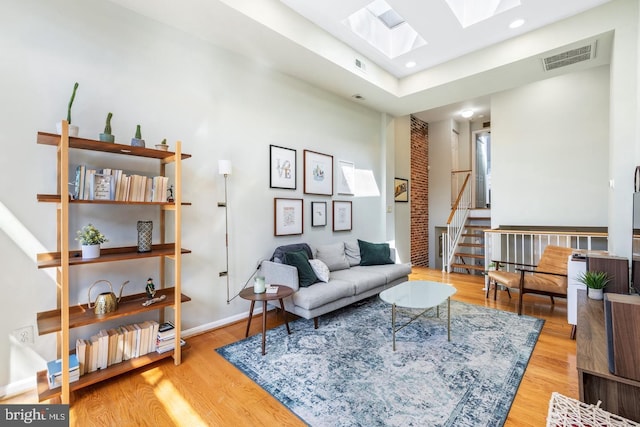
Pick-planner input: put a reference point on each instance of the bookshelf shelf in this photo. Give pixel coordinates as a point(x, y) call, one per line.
point(53, 259)
point(67, 316)
point(81, 315)
point(45, 393)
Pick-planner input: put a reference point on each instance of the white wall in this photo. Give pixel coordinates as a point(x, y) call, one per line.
point(547, 136)
point(220, 105)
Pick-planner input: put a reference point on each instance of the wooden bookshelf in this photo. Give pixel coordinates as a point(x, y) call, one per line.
point(67, 316)
point(82, 315)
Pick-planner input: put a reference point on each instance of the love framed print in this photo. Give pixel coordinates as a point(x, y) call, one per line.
point(282, 167)
point(287, 216)
point(318, 173)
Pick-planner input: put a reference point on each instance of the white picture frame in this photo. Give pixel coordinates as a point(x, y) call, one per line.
point(318, 173)
point(288, 216)
point(346, 178)
point(101, 187)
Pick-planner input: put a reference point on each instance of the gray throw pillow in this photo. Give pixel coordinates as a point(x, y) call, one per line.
point(352, 251)
point(333, 255)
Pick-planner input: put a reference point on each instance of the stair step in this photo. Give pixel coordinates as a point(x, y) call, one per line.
point(484, 218)
point(476, 227)
point(471, 245)
point(468, 266)
point(476, 235)
point(466, 255)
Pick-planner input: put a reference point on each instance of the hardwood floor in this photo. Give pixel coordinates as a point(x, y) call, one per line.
point(205, 390)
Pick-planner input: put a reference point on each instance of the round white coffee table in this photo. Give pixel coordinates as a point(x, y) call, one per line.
point(418, 294)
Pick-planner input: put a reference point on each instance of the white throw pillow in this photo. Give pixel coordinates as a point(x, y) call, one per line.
point(321, 269)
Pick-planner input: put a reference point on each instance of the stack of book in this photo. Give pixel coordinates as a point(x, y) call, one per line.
point(110, 346)
point(54, 371)
point(114, 184)
point(166, 338)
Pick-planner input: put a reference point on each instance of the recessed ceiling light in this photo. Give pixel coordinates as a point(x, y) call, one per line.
point(466, 113)
point(358, 97)
point(410, 64)
point(516, 24)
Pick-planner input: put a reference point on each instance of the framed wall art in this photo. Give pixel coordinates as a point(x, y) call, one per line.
point(287, 216)
point(282, 167)
point(102, 187)
point(318, 214)
point(346, 177)
point(401, 190)
point(318, 173)
point(342, 215)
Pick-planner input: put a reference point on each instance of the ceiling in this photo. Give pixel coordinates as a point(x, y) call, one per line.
point(457, 68)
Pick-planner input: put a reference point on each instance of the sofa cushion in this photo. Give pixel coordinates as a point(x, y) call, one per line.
point(320, 294)
point(321, 269)
point(363, 278)
point(392, 272)
point(278, 254)
point(352, 251)
point(300, 260)
point(374, 253)
point(333, 255)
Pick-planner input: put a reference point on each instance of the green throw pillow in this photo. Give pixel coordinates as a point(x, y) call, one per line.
point(300, 260)
point(374, 253)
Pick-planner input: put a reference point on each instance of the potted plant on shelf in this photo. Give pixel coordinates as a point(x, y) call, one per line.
point(163, 145)
point(107, 136)
point(595, 282)
point(137, 141)
point(73, 130)
point(90, 238)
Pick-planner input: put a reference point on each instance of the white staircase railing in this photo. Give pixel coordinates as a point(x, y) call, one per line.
point(456, 224)
point(518, 245)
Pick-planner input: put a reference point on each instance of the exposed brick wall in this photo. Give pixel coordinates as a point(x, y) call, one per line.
point(419, 192)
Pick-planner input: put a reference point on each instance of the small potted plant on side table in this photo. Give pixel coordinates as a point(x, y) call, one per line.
point(595, 281)
point(90, 238)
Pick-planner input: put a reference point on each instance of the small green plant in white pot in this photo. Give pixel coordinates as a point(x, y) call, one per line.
point(163, 145)
point(595, 281)
point(90, 238)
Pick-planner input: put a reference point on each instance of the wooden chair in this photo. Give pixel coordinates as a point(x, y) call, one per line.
point(549, 277)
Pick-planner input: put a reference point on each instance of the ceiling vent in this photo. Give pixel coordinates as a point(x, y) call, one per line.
point(573, 56)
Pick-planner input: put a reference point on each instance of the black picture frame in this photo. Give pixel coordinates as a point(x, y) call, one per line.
point(401, 190)
point(318, 214)
point(283, 167)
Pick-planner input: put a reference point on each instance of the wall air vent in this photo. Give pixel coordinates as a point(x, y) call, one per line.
point(569, 57)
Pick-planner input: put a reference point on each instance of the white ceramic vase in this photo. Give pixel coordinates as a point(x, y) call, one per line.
point(90, 251)
point(595, 293)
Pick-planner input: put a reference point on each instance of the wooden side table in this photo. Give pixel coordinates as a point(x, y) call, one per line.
point(248, 294)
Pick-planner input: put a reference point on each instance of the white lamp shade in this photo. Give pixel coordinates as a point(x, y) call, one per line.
point(224, 167)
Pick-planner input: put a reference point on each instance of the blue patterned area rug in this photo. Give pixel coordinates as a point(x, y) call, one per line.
point(345, 373)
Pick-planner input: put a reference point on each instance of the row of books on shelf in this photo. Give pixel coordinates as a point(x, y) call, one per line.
point(114, 184)
point(111, 346)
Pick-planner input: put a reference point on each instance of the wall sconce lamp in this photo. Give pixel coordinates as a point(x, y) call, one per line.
point(224, 168)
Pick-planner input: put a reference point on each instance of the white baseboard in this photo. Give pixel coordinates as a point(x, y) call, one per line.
point(18, 387)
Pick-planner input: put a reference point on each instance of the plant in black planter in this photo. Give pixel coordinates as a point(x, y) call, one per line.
point(107, 136)
point(137, 141)
point(73, 130)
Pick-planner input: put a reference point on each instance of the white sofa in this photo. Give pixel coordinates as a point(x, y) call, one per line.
point(348, 280)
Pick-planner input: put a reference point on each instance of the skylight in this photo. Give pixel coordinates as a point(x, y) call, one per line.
point(471, 12)
point(384, 29)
